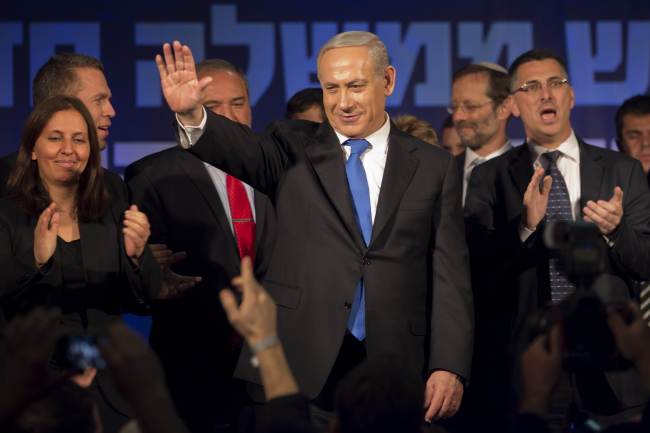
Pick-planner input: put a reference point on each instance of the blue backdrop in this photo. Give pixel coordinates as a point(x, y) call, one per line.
point(607, 45)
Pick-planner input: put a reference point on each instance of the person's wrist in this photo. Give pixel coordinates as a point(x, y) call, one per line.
point(261, 345)
point(192, 117)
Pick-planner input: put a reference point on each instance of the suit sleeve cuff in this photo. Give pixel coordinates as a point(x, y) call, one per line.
point(188, 134)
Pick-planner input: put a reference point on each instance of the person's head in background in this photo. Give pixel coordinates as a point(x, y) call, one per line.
point(633, 129)
point(306, 104)
point(449, 139)
point(416, 127)
point(227, 94)
point(480, 106)
point(378, 396)
point(81, 76)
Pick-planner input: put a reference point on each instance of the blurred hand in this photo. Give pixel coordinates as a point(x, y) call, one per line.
point(174, 285)
point(135, 368)
point(136, 233)
point(541, 370)
point(85, 379)
point(606, 214)
point(45, 233)
point(632, 340)
point(536, 200)
point(30, 341)
point(180, 85)
point(165, 257)
point(255, 317)
point(442, 395)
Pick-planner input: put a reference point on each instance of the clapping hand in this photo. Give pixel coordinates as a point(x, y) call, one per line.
point(181, 87)
point(606, 214)
point(536, 198)
point(174, 285)
point(47, 229)
point(136, 233)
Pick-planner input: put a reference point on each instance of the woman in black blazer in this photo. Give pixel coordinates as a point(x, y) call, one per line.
point(64, 241)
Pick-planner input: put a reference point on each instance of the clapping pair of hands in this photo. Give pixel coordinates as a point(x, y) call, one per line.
point(606, 214)
point(136, 231)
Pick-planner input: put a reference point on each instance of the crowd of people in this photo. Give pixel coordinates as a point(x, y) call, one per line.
point(384, 277)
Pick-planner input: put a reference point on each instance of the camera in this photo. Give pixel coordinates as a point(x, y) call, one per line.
point(78, 353)
point(588, 341)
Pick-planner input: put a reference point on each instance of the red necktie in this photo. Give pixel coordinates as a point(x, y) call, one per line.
point(242, 217)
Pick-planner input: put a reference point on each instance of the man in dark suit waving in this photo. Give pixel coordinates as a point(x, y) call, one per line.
point(370, 256)
point(554, 176)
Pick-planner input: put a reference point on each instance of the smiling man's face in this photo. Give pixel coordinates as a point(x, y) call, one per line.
point(546, 113)
point(354, 94)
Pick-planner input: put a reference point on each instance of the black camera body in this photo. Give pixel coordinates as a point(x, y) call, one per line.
point(588, 341)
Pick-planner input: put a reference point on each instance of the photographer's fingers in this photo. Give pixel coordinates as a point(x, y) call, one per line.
point(229, 303)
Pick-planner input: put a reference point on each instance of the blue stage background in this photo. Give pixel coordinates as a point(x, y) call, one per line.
point(607, 46)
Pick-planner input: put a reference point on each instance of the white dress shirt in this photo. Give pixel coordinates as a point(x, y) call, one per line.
point(569, 166)
point(473, 159)
point(188, 136)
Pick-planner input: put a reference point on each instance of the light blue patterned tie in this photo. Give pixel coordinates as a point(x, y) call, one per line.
point(359, 189)
point(557, 209)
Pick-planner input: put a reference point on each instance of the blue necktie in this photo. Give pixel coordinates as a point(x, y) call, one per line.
point(557, 209)
point(359, 188)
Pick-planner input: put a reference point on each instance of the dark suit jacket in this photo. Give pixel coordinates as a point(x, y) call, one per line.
point(112, 285)
point(192, 335)
point(516, 273)
point(415, 270)
point(460, 160)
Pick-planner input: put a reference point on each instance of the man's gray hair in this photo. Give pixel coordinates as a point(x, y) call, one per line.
point(376, 48)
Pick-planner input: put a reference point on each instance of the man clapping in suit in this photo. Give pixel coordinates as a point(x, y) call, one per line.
point(554, 176)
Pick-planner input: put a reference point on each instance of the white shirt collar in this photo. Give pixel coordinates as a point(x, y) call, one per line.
point(378, 140)
point(568, 148)
point(471, 156)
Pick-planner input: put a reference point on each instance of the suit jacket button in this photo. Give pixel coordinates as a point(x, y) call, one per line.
point(347, 305)
point(366, 261)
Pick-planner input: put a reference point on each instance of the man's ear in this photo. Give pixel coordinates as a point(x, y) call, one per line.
point(515, 108)
point(389, 80)
point(504, 110)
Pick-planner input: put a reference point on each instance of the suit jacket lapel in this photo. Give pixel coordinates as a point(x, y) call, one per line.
point(521, 167)
point(198, 175)
point(591, 175)
point(400, 167)
point(460, 160)
point(328, 160)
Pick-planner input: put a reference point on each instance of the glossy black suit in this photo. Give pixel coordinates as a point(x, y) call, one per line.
point(191, 334)
point(415, 270)
point(516, 273)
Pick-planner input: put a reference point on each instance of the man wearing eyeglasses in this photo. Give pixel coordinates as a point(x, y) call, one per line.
point(555, 176)
point(480, 109)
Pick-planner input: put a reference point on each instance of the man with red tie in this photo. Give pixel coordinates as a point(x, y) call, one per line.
point(209, 220)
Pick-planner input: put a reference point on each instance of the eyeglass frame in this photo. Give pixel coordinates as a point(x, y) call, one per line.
point(468, 109)
point(525, 88)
